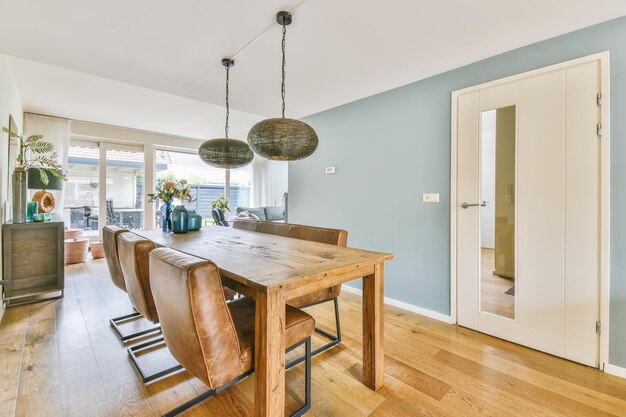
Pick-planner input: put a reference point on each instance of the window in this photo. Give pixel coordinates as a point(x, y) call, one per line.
point(240, 183)
point(207, 183)
point(123, 174)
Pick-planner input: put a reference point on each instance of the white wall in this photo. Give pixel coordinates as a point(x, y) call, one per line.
point(10, 104)
point(114, 134)
point(278, 171)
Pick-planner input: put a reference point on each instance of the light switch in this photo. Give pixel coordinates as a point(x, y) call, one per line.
point(330, 170)
point(430, 197)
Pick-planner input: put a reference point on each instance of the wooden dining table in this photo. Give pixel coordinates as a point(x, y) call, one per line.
point(274, 269)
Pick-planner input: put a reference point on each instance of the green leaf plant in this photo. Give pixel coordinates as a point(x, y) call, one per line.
point(42, 155)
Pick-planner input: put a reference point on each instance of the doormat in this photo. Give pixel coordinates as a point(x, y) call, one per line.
point(511, 291)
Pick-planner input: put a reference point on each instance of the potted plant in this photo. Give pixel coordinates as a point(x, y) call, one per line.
point(221, 203)
point(33, 152)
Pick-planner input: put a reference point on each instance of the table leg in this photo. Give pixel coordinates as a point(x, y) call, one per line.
point(269, 400)
point(373, 328)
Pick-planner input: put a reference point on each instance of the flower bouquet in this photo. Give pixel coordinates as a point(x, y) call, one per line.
point(167, 191)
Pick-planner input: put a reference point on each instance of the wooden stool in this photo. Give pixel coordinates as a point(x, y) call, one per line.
point(76, 250)
point(97, 250)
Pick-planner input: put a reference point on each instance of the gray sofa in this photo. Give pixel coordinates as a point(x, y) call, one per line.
point(269, 213)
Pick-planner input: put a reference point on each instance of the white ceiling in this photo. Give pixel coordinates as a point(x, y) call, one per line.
point(56, 91)
point(338, 51)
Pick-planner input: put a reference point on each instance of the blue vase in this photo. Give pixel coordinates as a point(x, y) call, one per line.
point(180, 219)
point(195, 221)
point(166, 209)
point(32, 207)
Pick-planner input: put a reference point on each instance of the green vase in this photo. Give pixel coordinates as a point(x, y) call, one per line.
point(18, 184)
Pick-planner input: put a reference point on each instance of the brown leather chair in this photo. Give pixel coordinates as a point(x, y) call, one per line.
point(316, 234)
point(134, 252)
point(212, 339)
point(109, 238)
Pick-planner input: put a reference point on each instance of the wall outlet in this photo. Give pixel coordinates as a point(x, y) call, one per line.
point(430, 197)
point(330, 170)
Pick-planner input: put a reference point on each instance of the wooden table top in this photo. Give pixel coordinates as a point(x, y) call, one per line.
point(262, 261)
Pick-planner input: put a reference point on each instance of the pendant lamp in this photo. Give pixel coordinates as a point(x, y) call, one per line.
point(225, 152)
point(283, 139)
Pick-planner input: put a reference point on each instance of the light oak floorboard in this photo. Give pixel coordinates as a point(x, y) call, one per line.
point(61, 358)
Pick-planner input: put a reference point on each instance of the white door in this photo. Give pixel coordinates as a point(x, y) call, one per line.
point(527, 214)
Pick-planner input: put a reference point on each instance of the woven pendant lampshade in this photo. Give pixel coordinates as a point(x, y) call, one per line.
point(283, 139)
point(225, 152)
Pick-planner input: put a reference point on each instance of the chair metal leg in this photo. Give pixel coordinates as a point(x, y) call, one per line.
point(335, 339)
point(307, 381)
point(204, 396)
point(132, 352)
point(299, 413)
point(115, 323)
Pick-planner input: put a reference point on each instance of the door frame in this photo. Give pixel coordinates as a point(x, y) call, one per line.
point(605, 188)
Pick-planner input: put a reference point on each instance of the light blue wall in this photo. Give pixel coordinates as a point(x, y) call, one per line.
point(392, 147)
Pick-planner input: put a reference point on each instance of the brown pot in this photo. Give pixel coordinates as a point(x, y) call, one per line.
point(97, 250)
point(76, 250)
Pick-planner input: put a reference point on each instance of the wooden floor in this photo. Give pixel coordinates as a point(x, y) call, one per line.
point(62, 359)
point(494, 298)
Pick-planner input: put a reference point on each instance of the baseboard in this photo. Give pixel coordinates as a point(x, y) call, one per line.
point(615, 370)
point(405, 306)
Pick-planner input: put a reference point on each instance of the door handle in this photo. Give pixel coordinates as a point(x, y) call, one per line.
point(466, 205)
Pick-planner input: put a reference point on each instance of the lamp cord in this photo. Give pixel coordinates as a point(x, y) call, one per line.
point(227, 103)
point(282, 87)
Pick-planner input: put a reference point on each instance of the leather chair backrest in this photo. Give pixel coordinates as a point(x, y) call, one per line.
point(297, 231)
point(195, 320)
point(134, 253)
point(109, 241)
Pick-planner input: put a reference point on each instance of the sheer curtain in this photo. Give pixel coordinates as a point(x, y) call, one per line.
point(260, 191)
point(54, 130)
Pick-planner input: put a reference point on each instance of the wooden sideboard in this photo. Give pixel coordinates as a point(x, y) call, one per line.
point(33, 256)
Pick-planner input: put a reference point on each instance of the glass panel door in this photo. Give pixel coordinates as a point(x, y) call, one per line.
point(82, 188)
point(124, 203)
